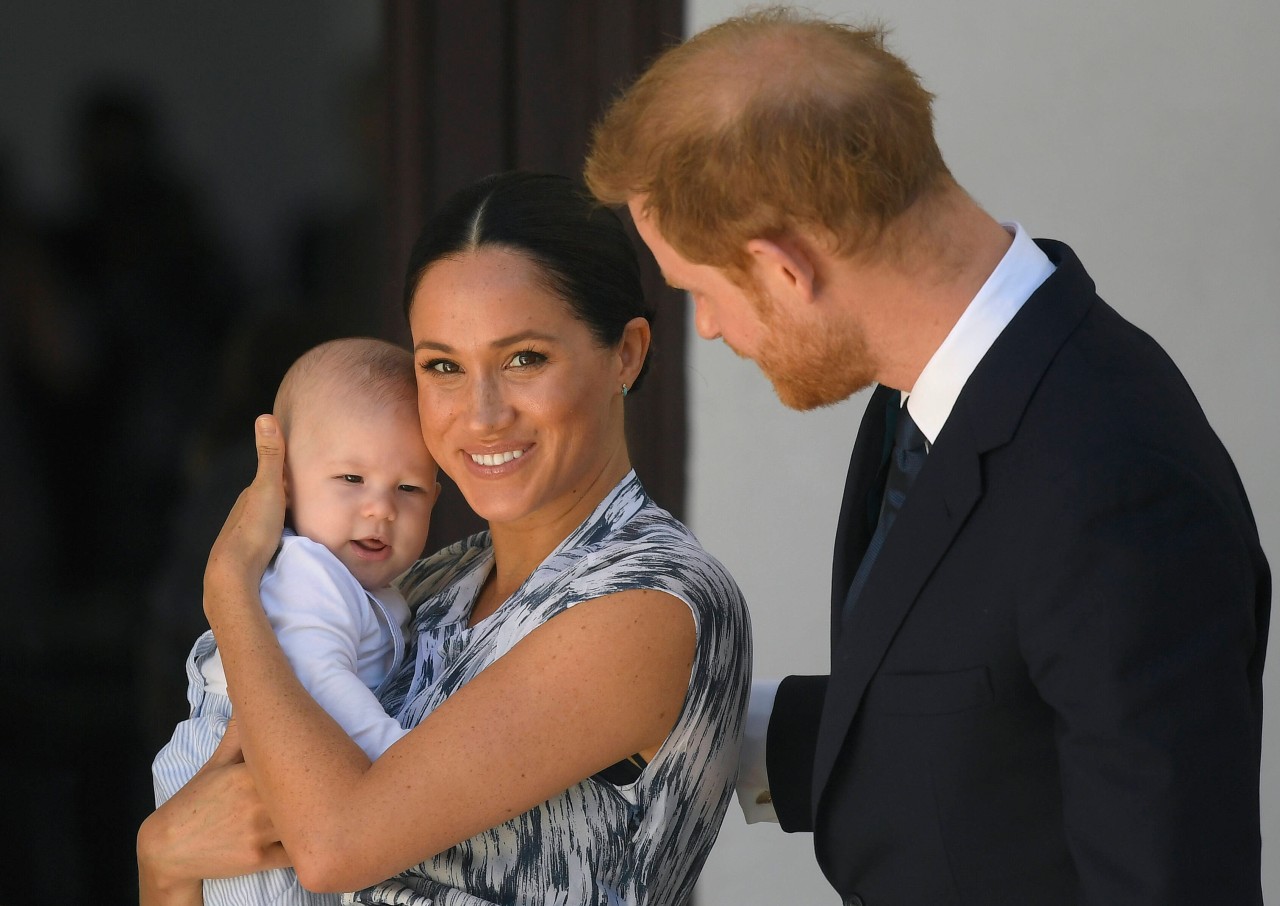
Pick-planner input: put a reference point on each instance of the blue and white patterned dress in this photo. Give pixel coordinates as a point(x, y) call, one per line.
point(641, 844)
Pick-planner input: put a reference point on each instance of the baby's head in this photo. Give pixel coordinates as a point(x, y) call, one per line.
point(358, 476)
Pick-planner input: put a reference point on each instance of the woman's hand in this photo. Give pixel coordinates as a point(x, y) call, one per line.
point(214, 827)
point(251, 533)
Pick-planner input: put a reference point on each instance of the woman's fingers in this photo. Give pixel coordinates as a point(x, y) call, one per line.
point(214, 827)
point(262, 504)
point(228, 750)
point(249, 537)
point(270, 443)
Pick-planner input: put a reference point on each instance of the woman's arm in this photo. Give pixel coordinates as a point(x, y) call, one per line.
point(215, 826)
point(602, 680)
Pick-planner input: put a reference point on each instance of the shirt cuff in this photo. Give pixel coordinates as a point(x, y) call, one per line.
point(753, 775)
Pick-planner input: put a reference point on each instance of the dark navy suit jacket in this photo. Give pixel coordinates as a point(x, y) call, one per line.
point(1050, 690)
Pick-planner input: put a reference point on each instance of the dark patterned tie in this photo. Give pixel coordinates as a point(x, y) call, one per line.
point(905, 461)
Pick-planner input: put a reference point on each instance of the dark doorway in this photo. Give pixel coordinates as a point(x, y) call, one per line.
point(495, 85)
point(190, 197)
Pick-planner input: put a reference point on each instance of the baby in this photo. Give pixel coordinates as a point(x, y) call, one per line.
point(360, 486)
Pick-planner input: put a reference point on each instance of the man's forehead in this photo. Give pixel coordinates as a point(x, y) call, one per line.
point(647, 224)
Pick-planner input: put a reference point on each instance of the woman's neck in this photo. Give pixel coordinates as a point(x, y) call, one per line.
point(519, 547)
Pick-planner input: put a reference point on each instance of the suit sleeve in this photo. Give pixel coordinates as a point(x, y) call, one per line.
point(1145, 637)
point(792, 741)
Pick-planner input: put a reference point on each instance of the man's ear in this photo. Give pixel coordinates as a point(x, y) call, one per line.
point(785, 267)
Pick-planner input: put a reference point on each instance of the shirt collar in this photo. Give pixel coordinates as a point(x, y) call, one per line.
point(1019, 274)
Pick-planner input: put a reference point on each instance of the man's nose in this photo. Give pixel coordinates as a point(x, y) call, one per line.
point(704, 320)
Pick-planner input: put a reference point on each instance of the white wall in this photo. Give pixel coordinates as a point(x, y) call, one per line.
point(1145, 135)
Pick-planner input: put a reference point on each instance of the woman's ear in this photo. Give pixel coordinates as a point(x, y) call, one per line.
point(632, 349)
point(786, 267)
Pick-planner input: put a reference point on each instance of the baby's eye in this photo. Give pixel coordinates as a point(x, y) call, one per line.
point(411, 488)
point(352, 479)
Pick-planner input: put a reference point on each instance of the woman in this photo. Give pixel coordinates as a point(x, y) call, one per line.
point(579, 672)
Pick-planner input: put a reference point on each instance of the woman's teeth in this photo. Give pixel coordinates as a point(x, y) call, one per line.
point(495, 459)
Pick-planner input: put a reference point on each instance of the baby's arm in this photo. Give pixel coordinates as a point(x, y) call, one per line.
point(325, 623)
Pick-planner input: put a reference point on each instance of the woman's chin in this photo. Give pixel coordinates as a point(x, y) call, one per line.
point(495, 510)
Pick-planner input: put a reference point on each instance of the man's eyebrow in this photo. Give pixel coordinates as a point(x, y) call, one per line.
point(523, 336)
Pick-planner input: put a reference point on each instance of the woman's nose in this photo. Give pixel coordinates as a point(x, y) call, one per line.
point(490, 409)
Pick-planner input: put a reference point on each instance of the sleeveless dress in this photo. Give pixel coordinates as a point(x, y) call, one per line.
point(643, 843)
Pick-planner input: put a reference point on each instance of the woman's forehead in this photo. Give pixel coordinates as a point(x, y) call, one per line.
point(490, 289)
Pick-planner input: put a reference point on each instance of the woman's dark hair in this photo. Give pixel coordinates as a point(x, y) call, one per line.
point(581, 249)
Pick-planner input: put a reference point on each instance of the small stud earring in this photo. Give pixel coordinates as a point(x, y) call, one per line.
point(624, 391)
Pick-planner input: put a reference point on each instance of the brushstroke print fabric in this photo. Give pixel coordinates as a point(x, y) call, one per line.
point(641, 844)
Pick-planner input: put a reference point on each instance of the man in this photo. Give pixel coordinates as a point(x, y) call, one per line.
point(1049, 605)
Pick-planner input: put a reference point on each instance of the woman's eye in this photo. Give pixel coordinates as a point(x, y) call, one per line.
point(441, 366)
point(352, 479)
point(527, 357)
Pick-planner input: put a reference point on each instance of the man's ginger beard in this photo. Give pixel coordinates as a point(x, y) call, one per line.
point(809, 366)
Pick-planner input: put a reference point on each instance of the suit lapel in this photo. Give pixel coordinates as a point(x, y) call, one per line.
point(944, 494)
point(985, 417)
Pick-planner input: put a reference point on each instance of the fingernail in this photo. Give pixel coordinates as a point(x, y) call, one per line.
point(266, 425)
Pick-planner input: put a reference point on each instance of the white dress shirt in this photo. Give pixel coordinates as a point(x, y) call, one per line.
point(1019, 274)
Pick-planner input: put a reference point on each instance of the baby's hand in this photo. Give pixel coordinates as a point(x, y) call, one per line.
point(251, 533)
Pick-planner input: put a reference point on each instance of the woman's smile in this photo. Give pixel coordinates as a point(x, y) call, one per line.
point(496, 459)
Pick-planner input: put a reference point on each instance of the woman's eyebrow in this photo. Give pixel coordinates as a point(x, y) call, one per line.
point(510, 340)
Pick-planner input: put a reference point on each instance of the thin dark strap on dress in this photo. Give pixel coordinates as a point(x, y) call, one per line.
point(624, 772)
